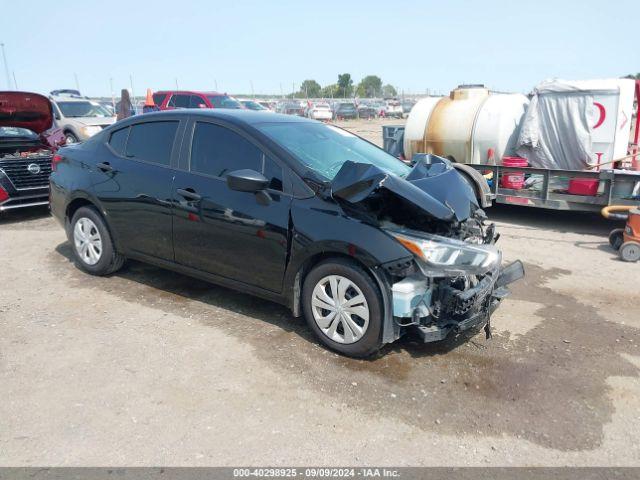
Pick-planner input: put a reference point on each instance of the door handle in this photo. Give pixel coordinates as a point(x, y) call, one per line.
point(104, 166)
point(188, 193)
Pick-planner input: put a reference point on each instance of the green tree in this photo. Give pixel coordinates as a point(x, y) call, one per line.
point(633, 77)
point(345, 85)
point(310, 89)
point(329, 91)
point(389, 91)
point(369, 86)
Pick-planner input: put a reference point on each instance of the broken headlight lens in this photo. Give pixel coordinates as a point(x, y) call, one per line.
point(444, 257)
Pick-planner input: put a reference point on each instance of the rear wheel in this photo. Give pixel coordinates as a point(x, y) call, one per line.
point(70, 138)
point(92, 244)
point(616, 238)
point(342, 306)
point(630, 251)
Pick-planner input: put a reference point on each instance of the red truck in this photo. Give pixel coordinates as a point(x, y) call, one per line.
point(172, 99)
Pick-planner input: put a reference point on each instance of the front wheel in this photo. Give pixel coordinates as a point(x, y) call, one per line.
point(70, 138)
point(92, 244)
point(342, 306)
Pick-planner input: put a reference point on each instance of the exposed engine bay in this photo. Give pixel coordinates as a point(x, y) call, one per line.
point(456, 280)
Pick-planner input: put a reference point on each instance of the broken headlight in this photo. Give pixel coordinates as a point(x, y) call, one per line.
point(446, 257)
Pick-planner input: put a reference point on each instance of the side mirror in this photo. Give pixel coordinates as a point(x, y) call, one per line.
point(247, 181)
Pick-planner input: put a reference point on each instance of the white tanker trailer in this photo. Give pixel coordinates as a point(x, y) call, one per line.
point(484, 132)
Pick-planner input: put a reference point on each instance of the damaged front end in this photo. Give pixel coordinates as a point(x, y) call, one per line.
point(456, 279)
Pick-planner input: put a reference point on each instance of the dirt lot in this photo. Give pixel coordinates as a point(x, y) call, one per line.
point(147, 367)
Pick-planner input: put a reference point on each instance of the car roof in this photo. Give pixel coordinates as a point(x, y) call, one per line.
point(65, 98)
point(189, 92)
point(248, 117)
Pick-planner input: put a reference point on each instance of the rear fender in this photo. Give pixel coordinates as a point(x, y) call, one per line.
point(93, 200)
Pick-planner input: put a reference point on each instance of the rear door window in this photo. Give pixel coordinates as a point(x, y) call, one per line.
point(118, 140)
point(152, 142)
point(179, 101)
point(196, 101)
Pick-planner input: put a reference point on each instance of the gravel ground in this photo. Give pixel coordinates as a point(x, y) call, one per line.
point(148, 367)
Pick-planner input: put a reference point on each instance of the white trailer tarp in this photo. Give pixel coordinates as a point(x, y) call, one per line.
point(558, 129)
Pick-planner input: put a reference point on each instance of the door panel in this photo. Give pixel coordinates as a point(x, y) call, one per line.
point(225, 232)
point(229, 233)
point(137, 199)
point(136, 192)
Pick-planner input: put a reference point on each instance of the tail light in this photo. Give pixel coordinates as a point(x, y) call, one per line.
point(55, 161)
point(3, 195)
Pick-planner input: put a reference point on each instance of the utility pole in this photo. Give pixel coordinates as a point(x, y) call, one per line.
point(252, 94)
point(177, 88)
point(133, 95)
point(113, 96)
point(75, 76)
point(215, 82)
point(6, 66)
point(15, 82)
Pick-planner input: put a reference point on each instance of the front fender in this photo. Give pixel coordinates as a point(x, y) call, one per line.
point(320, 229)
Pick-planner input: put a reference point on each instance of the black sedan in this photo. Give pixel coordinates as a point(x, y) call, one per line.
point(288, 209)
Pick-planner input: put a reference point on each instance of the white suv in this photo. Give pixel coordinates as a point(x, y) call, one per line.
point(80, 118)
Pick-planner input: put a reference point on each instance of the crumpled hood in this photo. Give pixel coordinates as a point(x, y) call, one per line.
point(25, 110)
point(433, 188)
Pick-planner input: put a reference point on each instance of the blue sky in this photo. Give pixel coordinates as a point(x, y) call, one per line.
point(414, 45)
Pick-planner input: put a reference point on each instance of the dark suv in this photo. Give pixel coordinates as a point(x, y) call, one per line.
point(169, 100)
point(291, 210)
point(344, 111)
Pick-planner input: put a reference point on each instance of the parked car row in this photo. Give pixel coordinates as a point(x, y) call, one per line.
point(315, 109)
point(366, 109)
point(32, 127)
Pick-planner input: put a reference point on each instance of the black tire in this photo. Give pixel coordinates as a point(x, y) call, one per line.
point(616, 238)
point(370, 342)
point(71, 138)
point(474, 186)
point(109, 260)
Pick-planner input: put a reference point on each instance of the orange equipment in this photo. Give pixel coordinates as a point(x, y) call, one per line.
point(626, 240)
point(149, 100)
